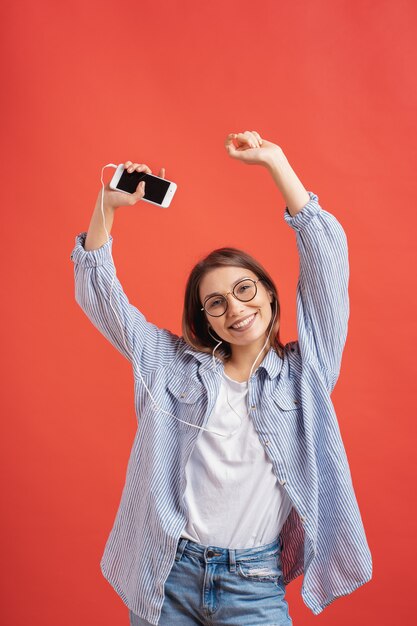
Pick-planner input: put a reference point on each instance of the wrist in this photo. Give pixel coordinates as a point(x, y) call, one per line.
point(108, 208)
point(276, 159)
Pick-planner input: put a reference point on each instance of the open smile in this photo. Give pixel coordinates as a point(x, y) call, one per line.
point(244, 324)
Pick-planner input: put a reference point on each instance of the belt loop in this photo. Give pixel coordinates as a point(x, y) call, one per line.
point(180, 549)
point(232, 560)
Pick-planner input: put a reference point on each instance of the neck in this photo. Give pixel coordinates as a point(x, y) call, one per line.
point(243, 358)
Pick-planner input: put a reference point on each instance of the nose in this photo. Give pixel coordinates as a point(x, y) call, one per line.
point(234, 305)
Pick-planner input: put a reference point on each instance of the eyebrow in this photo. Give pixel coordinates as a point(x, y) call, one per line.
point(216, 293)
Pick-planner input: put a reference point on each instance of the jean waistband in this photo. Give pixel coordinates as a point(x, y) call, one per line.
point(215, 554)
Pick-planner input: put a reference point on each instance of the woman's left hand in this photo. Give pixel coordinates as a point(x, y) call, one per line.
point(250, 148)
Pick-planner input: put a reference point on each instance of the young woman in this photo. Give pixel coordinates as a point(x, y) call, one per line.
point(238, 480)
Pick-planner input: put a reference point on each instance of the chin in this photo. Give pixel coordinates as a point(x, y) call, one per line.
point(247, 341)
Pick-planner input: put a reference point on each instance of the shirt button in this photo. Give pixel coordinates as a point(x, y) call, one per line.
point(267, 442)
point(303, 518)
point(282, 481)
point(253, 407)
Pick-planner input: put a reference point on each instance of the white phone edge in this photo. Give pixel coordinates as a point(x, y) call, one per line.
point(167, 198)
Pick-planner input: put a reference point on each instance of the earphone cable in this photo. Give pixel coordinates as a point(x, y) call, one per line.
point(129, 351)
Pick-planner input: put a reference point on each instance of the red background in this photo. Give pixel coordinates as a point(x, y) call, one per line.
point(87, 83)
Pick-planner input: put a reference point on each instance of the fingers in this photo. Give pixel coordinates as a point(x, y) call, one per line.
point(230, 137)
point(229, 140)
point(246, 138)
point(258, 137)
point(139, 193)
point(140, 189)
point(131, 167)
point(229, 145)
point(249, 139)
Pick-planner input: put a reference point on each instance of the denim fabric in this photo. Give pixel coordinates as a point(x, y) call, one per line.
point(214, 586)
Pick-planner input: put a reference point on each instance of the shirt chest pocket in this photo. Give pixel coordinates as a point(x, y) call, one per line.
point(283, 412)
point(186, 401)
point(184, 392)
point(287, 414)
point(287, 396)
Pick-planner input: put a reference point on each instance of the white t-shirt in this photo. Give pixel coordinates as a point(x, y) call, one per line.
point(233, 497)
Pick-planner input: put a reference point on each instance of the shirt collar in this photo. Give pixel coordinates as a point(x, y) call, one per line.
point(272, 363)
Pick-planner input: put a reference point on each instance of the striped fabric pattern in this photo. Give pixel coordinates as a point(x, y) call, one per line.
point(290, 404)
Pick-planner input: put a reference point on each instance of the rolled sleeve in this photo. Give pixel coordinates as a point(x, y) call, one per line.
point(306, 215)
point(91, 258)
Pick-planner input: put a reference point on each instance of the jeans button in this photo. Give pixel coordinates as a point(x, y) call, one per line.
point(210, 553)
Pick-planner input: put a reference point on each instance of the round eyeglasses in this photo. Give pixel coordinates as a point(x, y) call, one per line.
point(245, 291)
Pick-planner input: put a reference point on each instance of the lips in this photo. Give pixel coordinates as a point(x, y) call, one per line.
point(246, 325)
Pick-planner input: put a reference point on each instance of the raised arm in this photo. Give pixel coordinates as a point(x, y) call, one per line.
point(100, 294)
point(322, 289)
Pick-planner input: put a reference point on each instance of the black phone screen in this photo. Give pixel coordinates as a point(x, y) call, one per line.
point(155, 188)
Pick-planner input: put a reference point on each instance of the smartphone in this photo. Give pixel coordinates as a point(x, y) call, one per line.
point(158, 190)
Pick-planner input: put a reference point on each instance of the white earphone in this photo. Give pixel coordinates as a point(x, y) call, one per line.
point(136, 370)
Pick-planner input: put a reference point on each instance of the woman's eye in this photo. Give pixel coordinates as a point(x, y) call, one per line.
point(244, 288)
point(214, 303)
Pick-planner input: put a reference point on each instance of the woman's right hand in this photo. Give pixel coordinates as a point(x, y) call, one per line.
point(114, 199)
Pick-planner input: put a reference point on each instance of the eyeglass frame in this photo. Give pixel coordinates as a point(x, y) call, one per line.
point(233, 294)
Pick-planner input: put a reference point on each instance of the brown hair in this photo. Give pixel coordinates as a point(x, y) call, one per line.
point(194, 322)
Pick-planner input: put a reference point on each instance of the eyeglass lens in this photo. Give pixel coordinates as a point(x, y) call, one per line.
point(244, 291)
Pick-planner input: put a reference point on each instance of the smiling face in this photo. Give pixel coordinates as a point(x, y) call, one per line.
point(244, 323)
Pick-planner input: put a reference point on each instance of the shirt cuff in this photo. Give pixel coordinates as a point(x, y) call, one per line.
point(91, 258)
point(303, 217)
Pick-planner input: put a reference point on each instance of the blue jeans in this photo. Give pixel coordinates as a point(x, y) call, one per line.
point(212, 586)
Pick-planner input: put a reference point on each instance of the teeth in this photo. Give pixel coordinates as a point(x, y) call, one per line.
point(244, 323)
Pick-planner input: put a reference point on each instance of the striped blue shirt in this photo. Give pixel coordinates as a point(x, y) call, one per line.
point(289, 399)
